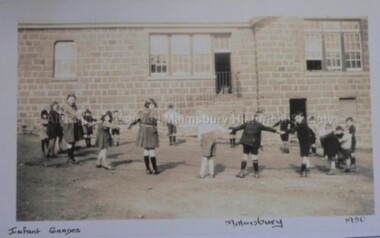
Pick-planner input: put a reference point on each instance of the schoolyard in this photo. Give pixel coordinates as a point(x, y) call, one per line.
point(57, 191)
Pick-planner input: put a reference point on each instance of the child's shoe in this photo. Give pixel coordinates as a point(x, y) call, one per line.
point(240, 174)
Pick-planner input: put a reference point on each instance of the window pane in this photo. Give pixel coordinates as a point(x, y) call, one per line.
point(158, 44)
point(333, 51)
point(313, 45)
point(352, 47)
point(222, 43)
point(65, 55)
point(158, 54)
point(202, 53)
point(180, 46)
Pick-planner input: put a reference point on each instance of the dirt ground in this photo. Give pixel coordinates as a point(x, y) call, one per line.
point(57, 191)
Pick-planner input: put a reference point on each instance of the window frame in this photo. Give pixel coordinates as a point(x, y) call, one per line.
point(343, 40)
point(74, 60)
point(193, 74)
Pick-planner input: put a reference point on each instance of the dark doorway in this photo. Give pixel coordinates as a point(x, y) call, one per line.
point(223, 73)
point(297, 105)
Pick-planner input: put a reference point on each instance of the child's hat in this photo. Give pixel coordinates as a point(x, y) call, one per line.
point(150, 101)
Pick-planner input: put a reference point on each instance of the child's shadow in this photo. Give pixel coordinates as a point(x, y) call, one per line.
point(219, 168)
point(170, 165)
point(295, 168)
point(115, 155)
point(117, 163)
point(126, 143)
point(322, 168)
point(180, 141)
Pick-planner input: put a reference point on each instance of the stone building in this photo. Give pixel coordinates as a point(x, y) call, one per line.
point(273, 64)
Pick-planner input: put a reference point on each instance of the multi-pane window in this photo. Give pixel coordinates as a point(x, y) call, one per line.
point(65, 57)
point(180, 54)
point(222, 43)
point(333, 45)
point(158, 55)
point(202, 54)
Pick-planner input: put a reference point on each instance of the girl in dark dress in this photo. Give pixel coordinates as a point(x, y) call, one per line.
point(147, 136)
point(53, 129)
point(43, 132)
point(304, 133)
point(103, 140)
point(72, 129)
point(88, 124)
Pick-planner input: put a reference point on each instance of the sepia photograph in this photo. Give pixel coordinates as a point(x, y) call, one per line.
point(162, 116)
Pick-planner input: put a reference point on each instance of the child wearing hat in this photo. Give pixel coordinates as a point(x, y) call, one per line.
point(147, 136)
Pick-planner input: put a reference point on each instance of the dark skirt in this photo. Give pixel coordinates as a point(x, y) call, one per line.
point(54, 130)
point(87, 130)
point(72, 132)
point(147, 137)
point(103, 138)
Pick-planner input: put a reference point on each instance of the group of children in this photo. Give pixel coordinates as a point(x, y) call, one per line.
point(68, 123)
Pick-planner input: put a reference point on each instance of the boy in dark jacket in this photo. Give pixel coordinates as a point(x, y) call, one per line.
point(251, 141)
point(304, 134)
point(331, 141)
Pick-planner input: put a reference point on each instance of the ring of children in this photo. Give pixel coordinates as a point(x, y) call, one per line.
point(57, 190)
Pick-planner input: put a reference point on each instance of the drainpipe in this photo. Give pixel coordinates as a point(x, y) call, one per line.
point(256, 68)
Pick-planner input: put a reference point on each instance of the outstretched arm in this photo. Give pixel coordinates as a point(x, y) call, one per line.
point(134, 123)
point(238, 128)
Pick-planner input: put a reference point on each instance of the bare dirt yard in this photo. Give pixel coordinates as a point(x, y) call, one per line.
point(57, 191)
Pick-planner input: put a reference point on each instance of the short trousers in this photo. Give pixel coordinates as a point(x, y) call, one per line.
point(250, 149)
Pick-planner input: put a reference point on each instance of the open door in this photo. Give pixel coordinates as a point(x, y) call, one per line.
point(223, 73)
point(297, 105)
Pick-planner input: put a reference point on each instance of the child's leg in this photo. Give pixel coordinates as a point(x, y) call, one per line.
point(332, 160)
point(243, 166)
point(211, 166)
point(105, 160)
point(255, 162)
point(43, 147)
point(304, 164)
point(146, 161)
point(203, 167)
point(174, 138)
point(353, 161)
point(154, 161)
point(70, 153)
point(99, 160)
point(51, 147)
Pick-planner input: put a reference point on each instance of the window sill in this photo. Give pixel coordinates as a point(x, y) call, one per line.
point(182, 77)
point(338, 73)
point(71, 79)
